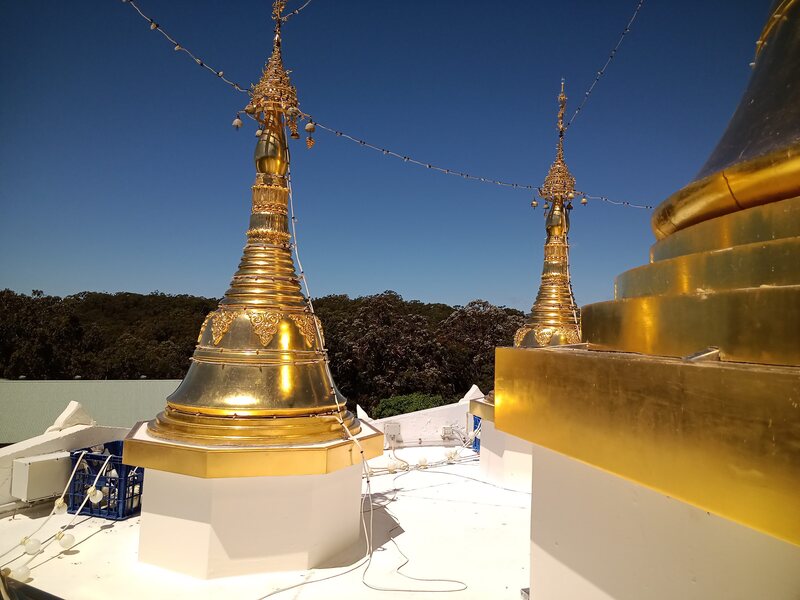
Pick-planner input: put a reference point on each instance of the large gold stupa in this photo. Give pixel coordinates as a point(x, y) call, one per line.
point(689, 381)
point(259, 375)
point(555, 318)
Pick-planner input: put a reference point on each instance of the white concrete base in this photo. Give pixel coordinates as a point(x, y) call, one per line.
point(595, 536)
point(235, 526)
point(505, 459)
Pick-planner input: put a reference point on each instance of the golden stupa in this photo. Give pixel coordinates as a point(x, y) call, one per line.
point(555, 318)
point(259, 375)
point(688, 382)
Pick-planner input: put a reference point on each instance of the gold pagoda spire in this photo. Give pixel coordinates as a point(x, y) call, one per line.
point(555, 318)
point(259, 373)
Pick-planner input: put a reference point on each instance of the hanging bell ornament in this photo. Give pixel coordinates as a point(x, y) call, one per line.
point(294, 135)
point(310, 128)
point(571, 195)
point(584, 201)
point(237, 122)
point(249, 109)
point(259, 132)
point(534, 204)
point(153, 25)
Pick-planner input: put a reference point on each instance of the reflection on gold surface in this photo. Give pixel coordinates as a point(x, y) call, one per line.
point(241, 400)
point(249, 461)
point(723, 437)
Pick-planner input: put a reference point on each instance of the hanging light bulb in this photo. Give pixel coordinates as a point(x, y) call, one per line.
point(59, 506)
point(153, 25)
point(237, 122)
point(31, 545)
point(178, 48)
point(65, 540)
point(95, 495)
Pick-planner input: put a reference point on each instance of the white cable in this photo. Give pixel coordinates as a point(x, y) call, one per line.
point(53, 510)
point(75, 516)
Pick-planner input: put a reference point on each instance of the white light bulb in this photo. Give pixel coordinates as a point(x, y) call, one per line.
point(59, 507)
point(21, 573)
point(32, 546)
point(67, 541)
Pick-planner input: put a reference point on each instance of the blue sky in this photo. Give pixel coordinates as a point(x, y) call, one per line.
point(119, 169)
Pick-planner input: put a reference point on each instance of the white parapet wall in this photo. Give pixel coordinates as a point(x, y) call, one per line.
point(505, 459)
point(29, 407)
point(596, 536)
point(447, 425)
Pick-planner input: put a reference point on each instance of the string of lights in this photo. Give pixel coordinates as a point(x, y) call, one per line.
point(409, 159)
point(289, 15)
point(154, 26)
point(602, 71)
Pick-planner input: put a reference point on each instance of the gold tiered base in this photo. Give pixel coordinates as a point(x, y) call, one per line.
point(235, 430)
point(246, 459)
point(732, 282)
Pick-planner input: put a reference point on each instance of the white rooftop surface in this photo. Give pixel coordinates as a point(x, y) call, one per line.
point(451, 525)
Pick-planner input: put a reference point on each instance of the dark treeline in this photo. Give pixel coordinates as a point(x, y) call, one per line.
point(380, 346)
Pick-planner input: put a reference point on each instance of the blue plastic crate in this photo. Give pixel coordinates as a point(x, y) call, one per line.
point(476, 442)
point(121, 484)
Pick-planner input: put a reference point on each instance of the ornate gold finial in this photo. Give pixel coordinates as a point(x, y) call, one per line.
point(559, 182)
point(274, 92)
point(555, 318)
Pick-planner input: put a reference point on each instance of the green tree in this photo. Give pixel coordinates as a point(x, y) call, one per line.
point(469, 337)
point(400, 405)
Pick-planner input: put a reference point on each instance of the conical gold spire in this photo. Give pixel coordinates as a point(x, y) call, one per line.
point(555, 318)
point(259, 374)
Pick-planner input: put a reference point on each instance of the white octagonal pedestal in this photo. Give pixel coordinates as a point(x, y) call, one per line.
point(238, 525)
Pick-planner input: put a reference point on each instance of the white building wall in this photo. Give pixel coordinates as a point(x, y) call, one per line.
point(596, 536)
point(29, 407)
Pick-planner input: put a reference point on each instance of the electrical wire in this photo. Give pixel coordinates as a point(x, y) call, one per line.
point(289, 15)
point(52, 510)
point(602, 71)
point(74, 517)
point(154, 26)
